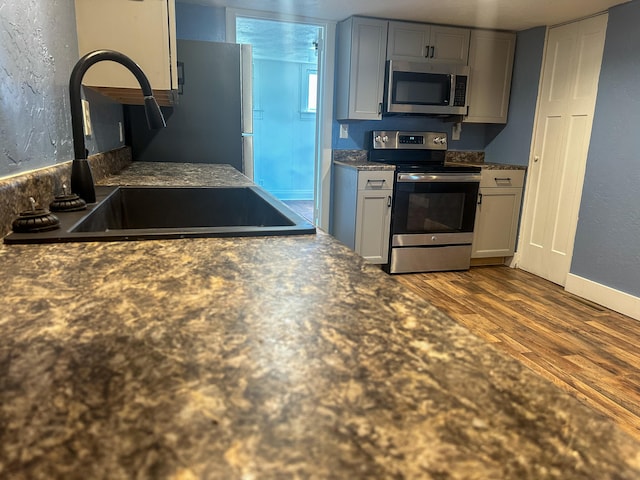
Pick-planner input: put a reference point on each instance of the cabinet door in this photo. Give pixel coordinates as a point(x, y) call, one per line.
point(373, 221)
point(362, 44)
point(449, 45)
point(419, 42)
point(491, 64)
point(496, 223)
point(144, 31)
point(408, 41)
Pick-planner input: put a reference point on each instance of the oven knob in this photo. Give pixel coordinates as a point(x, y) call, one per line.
point(385, 139)
point(434, 238)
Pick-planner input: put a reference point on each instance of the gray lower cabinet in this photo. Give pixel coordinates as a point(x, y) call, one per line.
point(497, 214)
point(362, 210)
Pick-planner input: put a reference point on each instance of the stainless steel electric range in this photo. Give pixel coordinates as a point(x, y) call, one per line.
point(434, 205)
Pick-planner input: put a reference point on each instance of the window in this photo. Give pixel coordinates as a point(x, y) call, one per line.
point(308, 91)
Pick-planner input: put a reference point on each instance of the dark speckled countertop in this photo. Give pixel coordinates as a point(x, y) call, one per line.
point(260, 358)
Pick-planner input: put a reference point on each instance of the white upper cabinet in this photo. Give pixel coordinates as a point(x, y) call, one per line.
point(491, 64)
point(361, 55)
point(145, 31)
point(418, 42)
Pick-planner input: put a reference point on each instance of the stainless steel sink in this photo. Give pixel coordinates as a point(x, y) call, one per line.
point(144, 213)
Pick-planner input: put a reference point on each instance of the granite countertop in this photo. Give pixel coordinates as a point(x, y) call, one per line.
point(362, 165)
point(257, 358)
point(358, 159)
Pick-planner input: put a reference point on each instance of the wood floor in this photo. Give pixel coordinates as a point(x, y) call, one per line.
point(589, 351)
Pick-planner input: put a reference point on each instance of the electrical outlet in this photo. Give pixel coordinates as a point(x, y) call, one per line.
point(344, 130)
point(456, 130)
point(86, 117)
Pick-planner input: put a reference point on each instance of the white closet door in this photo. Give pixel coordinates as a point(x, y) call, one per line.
point(563, 129)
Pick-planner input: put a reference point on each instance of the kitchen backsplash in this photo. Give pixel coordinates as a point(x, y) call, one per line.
point(464, 157)
point(44, 184)
point(349, 155)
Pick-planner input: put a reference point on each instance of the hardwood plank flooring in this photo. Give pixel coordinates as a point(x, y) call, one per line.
point(586, 349)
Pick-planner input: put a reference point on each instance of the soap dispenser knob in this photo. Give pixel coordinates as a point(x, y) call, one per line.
point(67, 202)
point(35, 220)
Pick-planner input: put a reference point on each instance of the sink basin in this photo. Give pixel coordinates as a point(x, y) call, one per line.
point(144, 213)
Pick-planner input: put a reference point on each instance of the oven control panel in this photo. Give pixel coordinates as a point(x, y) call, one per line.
point(399, 140)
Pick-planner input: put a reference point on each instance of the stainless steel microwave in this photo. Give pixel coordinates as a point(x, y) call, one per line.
point(425, 88)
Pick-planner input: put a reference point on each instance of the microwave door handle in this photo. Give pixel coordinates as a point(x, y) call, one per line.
point(452, 93)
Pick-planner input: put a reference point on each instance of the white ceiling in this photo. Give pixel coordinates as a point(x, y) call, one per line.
point(498, 14)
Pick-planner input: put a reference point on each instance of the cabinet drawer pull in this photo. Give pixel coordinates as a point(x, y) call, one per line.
point(502, 179)
point(381, 181)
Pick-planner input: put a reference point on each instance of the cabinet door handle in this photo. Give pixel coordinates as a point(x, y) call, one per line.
point(380, 108)
point(479, 199)
point(433, 51)
point(389, 201)
point(426, 55)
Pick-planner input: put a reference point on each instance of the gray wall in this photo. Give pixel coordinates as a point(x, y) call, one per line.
point(38, 48)
point(513, 142)
point(607, 245)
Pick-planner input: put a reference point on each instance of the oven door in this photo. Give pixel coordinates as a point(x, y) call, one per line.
point(434, 208)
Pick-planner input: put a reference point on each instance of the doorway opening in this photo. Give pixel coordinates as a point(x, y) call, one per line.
point(285, 106)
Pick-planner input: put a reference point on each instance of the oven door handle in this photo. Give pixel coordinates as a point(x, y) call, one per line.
point(437, 177)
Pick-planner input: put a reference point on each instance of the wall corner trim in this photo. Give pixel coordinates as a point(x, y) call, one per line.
point(606, 296)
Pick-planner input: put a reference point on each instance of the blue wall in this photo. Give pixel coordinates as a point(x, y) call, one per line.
point(195, 22)
point(513, 143)
point(473, 136)
point(607, 245)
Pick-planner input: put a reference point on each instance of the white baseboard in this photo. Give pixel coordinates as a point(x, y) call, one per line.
point(606, 296)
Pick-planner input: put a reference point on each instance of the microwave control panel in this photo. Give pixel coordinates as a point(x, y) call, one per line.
point(398, 140)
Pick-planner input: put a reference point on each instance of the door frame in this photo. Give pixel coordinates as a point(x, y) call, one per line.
point(326, 66)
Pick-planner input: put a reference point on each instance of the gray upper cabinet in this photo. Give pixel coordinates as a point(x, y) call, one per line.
point(419, 42)
point(491, 64)
point(362, 44)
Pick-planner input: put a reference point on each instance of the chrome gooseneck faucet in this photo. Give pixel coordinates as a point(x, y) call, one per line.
point(81, 176)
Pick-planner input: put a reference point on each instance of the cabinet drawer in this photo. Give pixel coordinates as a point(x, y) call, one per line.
point(502, 178)
point(375, 180)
